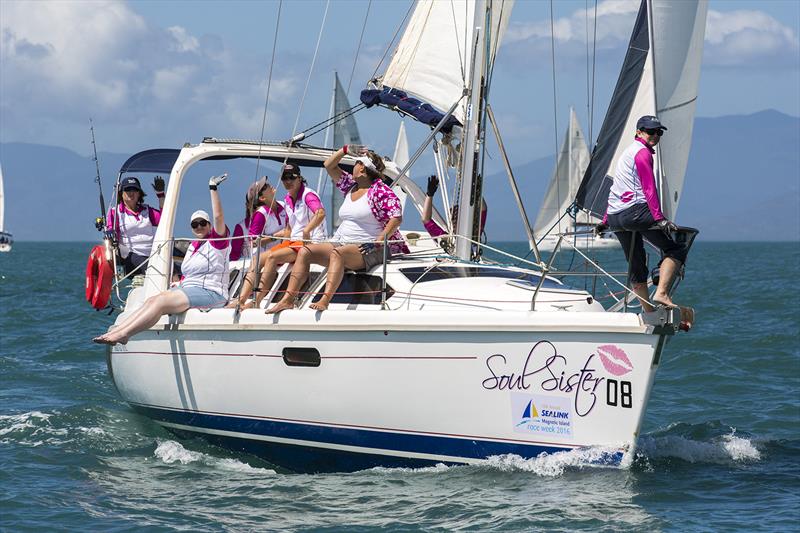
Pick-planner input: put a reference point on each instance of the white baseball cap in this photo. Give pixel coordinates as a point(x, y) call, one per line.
point(200, 214)
point(367, 162)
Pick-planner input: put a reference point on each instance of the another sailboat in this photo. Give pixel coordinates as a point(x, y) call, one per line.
point(554, 219)
point(6, 239)
point(425, 358)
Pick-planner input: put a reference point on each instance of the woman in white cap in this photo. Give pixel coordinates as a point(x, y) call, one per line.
point(370, 212)
point(133, 223)
point(305, 224)
point(634, 209)
point(205, 271)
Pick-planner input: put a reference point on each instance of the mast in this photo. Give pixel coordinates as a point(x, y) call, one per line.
point(473, 128)
point(658, 163)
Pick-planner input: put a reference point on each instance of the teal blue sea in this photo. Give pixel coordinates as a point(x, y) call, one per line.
point(720, 449)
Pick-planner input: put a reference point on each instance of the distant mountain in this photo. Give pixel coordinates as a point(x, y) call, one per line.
point(742, 184)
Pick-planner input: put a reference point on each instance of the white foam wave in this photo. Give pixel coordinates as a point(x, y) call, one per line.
point(22, 421)
point(726, 449)
point(553, 464)
point(173, 452)
point(438, 467)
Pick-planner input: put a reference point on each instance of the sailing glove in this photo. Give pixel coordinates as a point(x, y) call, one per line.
point(367, 248)
point(667, 227)
point(600, 228)
point(433, 186)
point(216, 180)
point(158, 184)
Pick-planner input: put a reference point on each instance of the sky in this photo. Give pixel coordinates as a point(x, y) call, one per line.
point(162, 73)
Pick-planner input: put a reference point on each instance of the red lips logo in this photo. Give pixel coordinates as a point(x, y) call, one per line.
point(614, 360)
point(626, 197)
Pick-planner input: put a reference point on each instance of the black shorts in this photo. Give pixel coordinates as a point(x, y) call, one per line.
point(638, 218)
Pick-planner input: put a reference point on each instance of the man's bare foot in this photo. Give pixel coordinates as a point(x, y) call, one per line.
point(319, 306)
point(278, 307)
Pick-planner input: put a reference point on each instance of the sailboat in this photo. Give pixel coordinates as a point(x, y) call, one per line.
point(431, 358)
point(555, 218)
point(6, 239)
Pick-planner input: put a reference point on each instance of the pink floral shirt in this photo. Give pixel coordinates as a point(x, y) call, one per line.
point(383, 203)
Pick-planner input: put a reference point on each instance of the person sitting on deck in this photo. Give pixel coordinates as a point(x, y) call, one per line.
point(370, 211)
point(252, 201)
point(268, 219)
point(205, 270)
point(306, 218)
point(634, 208)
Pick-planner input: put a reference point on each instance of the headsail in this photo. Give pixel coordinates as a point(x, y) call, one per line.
point(573, 158)
point(659, 77)
point(432, 59)
point(401, 158)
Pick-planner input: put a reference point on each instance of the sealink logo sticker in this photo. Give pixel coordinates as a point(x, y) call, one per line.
point(541, 415)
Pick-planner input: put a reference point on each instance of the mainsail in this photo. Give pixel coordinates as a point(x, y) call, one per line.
point(433, 59)
point(573, 159)
point(659, 77)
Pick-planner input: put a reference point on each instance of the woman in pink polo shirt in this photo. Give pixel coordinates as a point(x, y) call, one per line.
point(205, 271)
point(305, 224)
point(434, 229)
point(134, 223)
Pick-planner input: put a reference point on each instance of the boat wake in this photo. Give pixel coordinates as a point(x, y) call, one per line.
point(170, 452)
point(674, 443)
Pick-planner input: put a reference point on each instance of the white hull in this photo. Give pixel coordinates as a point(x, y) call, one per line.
point(6, 240)
point(582, 242)
point(393, 389)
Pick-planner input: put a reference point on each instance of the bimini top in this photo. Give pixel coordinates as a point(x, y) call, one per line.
point(157, 161)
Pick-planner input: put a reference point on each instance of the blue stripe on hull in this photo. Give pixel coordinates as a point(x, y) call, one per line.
point(312, 459)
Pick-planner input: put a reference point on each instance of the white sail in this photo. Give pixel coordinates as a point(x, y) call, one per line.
point(573, 158)
point(401, 159)
point(663, 62)
point(432, 60)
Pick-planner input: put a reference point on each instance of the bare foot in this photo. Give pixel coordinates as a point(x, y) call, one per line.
point(249, 305)
point(665, 300)
point(233, 304)
point(278, 307)
point(319, 306)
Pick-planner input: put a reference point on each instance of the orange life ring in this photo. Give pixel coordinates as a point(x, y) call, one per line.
point(98, 278)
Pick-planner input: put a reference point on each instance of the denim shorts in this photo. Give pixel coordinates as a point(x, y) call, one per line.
point(200, 297)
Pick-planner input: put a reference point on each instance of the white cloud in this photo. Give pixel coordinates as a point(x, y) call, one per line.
point(733, 38)
point(61, 62)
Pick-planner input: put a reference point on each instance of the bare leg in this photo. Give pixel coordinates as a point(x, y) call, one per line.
point(249, 279)
point(270, 272)
point(667, 270)
point(316, 253)
point(343, 257)
point(644, 297)
point(167, 302)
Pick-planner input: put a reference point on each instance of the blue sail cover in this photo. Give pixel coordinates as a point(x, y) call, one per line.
point(157, 161)
point(399, 100)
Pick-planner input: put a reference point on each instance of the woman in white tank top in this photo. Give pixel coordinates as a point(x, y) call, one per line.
point(369, 212)
point(205, 269)
point(306, 217)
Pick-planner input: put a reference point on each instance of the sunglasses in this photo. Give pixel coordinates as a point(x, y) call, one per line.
point(199, 224)
point(657, 132)
point(289, 177)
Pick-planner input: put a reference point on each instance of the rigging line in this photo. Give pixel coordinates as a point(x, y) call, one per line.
point(310, 72)
point(328, 122)
point(594, 64)
point(458, 44)
point(358, 48)
point(588, 72)
point(555, 101)
point(266, 99)
point(389, 46)
point(349, 112)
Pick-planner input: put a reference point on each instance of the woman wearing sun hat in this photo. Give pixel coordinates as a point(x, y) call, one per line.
point(634, 208)
point(205, 275)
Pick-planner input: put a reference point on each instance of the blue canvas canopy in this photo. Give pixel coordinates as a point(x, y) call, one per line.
point(157, 161)
point(400, 101)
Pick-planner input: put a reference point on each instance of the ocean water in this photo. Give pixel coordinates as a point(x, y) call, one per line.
point(720, 448)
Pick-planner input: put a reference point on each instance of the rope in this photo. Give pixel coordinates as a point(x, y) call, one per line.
point(358, 48)
point(311, 69)
point(389, 46)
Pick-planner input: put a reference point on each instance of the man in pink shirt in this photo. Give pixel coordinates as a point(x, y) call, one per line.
point(634, 209)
